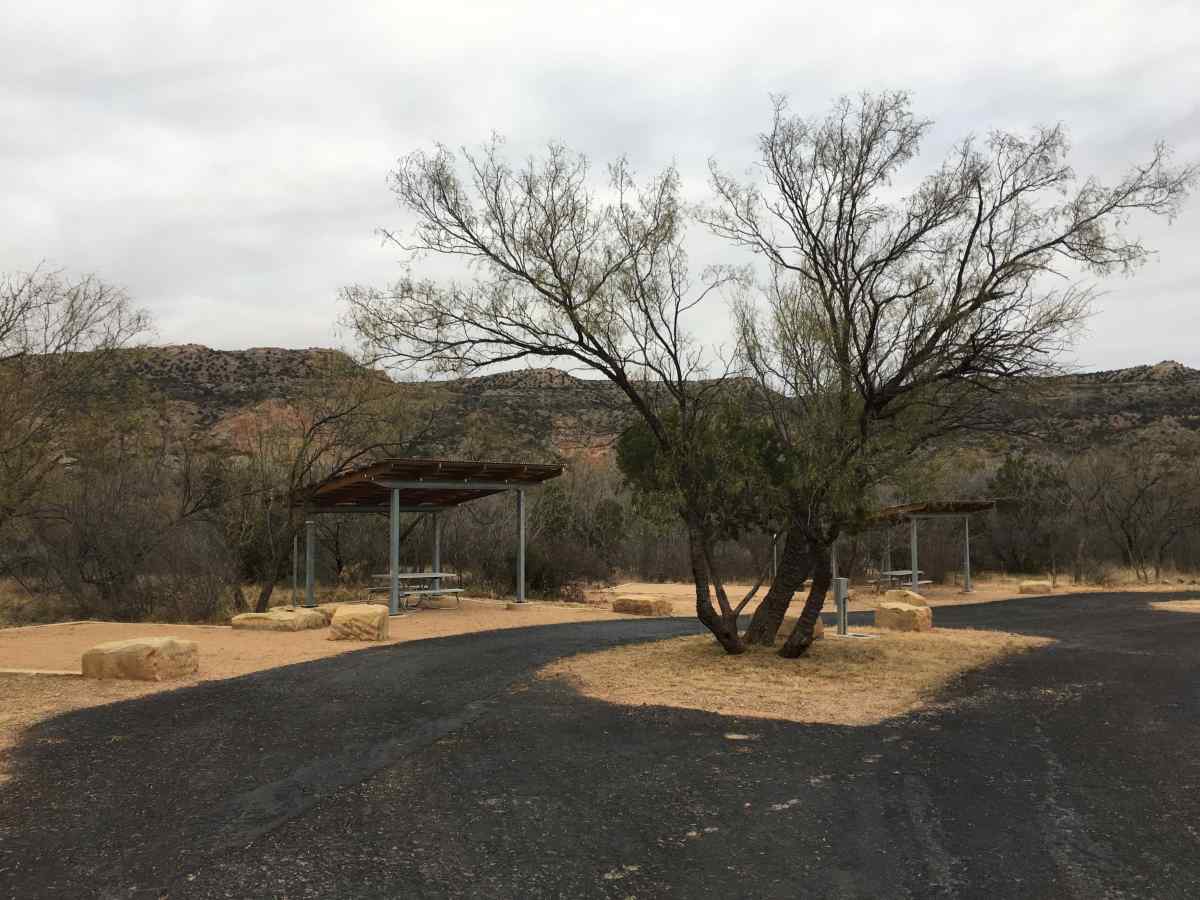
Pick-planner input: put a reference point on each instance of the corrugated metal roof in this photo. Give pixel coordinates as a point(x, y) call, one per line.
point(452, 481)
point(929, 508)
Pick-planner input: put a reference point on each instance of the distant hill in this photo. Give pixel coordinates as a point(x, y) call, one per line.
point(548, 413)
point(1142, 401)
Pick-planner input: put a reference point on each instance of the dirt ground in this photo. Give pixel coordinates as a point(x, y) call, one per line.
point(864, 598)
point(224, 653)
point(841, 681)
point(1188, 606)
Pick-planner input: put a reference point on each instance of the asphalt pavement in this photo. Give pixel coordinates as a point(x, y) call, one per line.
point(441, 768)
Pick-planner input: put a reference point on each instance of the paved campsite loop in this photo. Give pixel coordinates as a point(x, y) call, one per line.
point(441, 768)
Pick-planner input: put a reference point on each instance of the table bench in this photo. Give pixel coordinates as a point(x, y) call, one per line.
point(898, 578)
point(419, 592)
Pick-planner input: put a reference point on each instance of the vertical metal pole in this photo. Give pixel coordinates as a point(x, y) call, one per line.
point(967, 586)
point(841, 594)
point(310, 563)
point(775, 555)
point(394, 555)
point(437, 549)
point(912, 553)
point(295, 568)
point(886, 566)
point(520, 546)
point(833, 560)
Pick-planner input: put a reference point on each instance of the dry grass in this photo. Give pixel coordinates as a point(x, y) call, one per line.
point(643, 606)
point(988, 589)
point(842, 681)
point(1187, 606)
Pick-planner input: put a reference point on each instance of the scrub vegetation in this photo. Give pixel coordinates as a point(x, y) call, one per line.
point(890, 345)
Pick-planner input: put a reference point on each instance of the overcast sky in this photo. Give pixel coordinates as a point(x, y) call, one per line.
point(226, 163)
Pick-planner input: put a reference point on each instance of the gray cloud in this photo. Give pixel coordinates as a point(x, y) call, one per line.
point(227, 163)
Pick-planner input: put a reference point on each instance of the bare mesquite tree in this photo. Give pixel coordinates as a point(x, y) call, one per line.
point(1142, 499)
point(566, 270)
point(58, 335)
point(126, 529)
point(344, 416)
point(891, 310)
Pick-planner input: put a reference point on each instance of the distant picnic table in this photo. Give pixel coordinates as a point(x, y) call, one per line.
point(900, 577)
point(427, 584)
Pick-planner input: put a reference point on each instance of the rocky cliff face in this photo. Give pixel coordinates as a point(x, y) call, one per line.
point(1146, 401)
point(547, 413)
point(220, 382)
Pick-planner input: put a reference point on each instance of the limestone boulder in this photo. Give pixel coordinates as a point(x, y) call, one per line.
point(281, 618)
point(359, 622)
point(1035, 587)
point(892, 616)
point(142, 659)
point(643, 606)
point(327, 610)
point(902, 596)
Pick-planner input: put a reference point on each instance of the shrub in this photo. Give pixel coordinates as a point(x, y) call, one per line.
point(643, 606)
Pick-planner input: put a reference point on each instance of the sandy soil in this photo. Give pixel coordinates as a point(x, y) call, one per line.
point(1188, 606)
point(841, 681)
point(224, 653)
point(863, 598)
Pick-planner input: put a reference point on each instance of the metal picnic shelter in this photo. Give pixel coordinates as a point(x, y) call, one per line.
point(929, 509)
point(395, 487)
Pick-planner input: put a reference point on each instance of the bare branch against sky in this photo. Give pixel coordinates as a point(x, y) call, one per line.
point(226, 163)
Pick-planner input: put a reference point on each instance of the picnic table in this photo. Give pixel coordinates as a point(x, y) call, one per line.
point(901, 577)
point(427, 584)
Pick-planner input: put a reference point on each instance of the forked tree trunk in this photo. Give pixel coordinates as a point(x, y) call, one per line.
point(277, 570)
point(801, 637)
point(273, 575)
point(723, 628)
point(239, 598)
point(264, 596)
point(795, 564)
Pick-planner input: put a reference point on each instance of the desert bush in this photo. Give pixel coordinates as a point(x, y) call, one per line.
point(643, 606)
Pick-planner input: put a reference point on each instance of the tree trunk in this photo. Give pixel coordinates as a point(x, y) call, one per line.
point(280, 560)
point(264, 596)
point(801, 637)
point(723, 628)
point(794, 567)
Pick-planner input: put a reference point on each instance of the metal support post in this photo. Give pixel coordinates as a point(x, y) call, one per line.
point(394, 555)
point(912, 554)
point(833, 561)
point(775, 555)
point(841, 595)
point(437, 550)
point(295, 568)
point(310, 563)
point(520, 546)
point(968, 588)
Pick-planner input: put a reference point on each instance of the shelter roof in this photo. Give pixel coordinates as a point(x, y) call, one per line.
point(928, 509)
point(422, 483)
